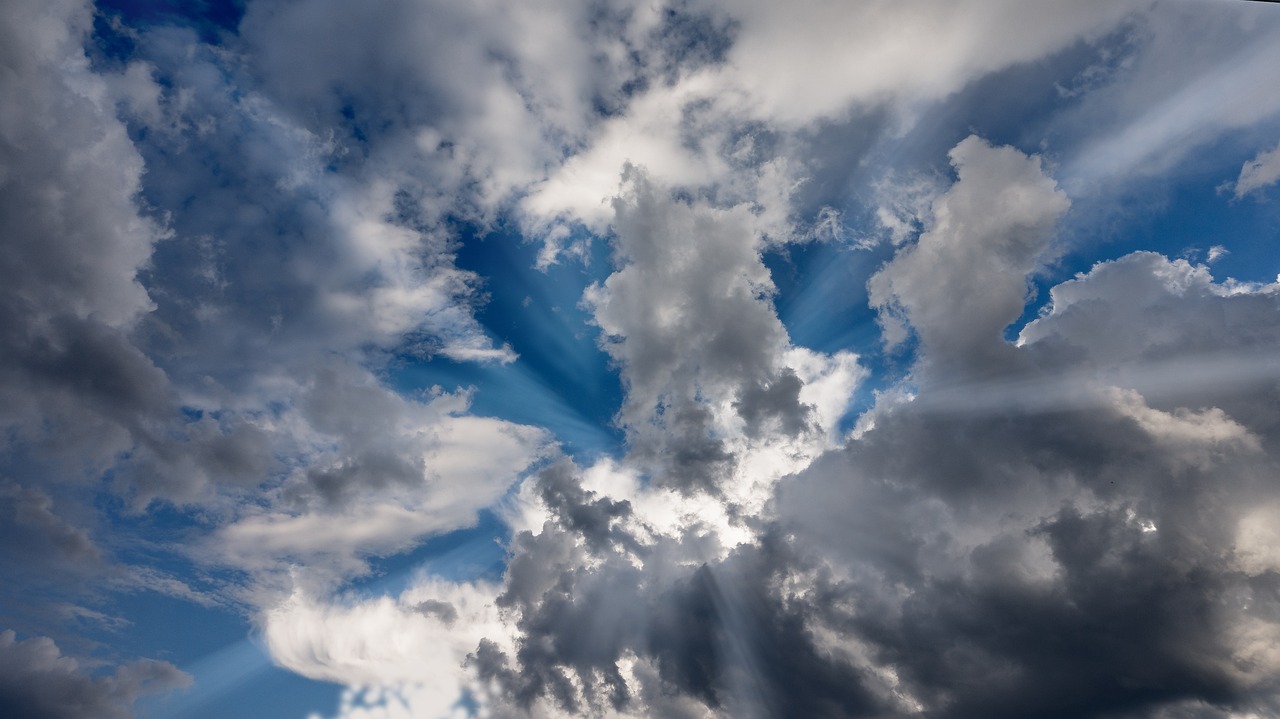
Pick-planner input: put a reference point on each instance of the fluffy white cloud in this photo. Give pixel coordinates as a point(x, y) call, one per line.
point(790, 69)
point(420, 639)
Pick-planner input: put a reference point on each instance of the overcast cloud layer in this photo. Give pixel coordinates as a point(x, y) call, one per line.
point(684, 359)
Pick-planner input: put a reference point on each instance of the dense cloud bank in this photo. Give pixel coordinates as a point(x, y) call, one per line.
point(1073, 548)
point(1075, 524)
point(233, 252)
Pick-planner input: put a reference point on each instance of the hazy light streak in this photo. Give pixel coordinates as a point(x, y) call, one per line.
point(1036, 390)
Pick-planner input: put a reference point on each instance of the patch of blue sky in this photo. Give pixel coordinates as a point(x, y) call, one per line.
point(1194, 209)
point(1184, 213)
point(212, 19)
point(822, 301)
point(561, 381)
point(232, 673)
point(215, 643)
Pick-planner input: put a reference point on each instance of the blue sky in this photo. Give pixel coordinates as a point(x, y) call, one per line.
point(629, 359)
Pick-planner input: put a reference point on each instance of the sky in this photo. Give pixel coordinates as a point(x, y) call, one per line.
point(676, 358)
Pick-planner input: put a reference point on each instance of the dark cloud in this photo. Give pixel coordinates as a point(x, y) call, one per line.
point(982, 574)
point(37, 681)
point(719, 633)
point(775, 406)
point(1046, 540)
point(579, 510)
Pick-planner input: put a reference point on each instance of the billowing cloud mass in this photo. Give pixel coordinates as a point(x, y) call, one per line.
point(41, 683)
point(680, 359)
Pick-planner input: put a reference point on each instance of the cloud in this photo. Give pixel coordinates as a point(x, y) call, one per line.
point(47, 537)
point(965, 279)
point(788, 73)
point(686, 315)
point(198, 310)
point(376, 473)
point(75, 242)
point(38, 681)
point(974, 554)
point(1167, 101)
point(978, 555)
point(75, 238)
point(223, 257)
point(1258, 173)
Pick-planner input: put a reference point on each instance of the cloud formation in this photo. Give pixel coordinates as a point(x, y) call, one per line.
point(917, 403)
point(41, 683)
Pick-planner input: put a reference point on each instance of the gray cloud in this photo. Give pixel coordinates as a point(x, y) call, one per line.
point(1073, 554)
point(1097, 551)
point(1078, 524)
point(38, 681)
point(713, 632)
point(965, 279)
point(184, 268)
point(687, 317)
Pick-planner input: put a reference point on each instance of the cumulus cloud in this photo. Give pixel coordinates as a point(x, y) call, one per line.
point(948, 563)
point(965, 279)
point(976, 554)
point(40, 682)
point(687, 318)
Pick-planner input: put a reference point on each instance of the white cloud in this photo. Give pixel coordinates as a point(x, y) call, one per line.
point(1257, 540)
point(420, 639)
point(378, 473)
point(1196, 437)
point(815, 60)
point(789, 70)
point(1258, 173)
